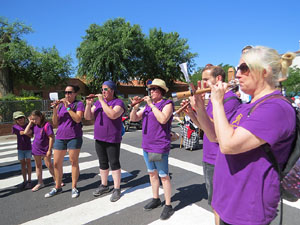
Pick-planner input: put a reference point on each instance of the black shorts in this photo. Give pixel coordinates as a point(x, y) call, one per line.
point(108, 155)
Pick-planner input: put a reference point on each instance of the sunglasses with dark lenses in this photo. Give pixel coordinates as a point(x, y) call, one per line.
point(243, 68)
point(154, 89)
point(68, 92)
point(105, 89)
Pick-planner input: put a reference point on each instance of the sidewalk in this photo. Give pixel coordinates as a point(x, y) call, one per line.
point(12, 137)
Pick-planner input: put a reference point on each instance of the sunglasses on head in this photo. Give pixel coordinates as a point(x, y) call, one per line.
point(154, 89)
point(243, 68)
point(105, 89)
point(68, 92)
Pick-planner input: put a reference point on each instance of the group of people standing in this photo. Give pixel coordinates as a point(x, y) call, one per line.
point(243, 187)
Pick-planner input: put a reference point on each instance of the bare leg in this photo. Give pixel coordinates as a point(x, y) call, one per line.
point(74, 155)
point(23, 169)
point(154, 180)
point(167, 189)
point(104, 175)
point(38, 168)
point(29, 169)
point(116, 174)
point(49, 165)
point(58, 156)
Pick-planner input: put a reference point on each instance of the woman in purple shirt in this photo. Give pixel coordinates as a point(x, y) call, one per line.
point(67, 115)
point(107, 112)
point(246, 186)
point(157, 118)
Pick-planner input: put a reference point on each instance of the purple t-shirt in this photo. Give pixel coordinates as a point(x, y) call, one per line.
point(246, 186)
point(210, 149)
point(156, 136)
point(24, 142)
point(106, 129)
point(40, 143)
point(67, 127)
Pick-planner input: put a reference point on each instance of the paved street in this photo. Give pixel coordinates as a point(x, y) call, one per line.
point(189, 197)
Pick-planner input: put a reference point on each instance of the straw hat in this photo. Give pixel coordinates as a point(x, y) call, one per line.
point(159, 83)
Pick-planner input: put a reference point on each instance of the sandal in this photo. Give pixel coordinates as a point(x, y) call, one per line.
point(38, 187)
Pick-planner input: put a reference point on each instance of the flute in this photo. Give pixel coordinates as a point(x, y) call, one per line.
point(89, 97)
point(185, 94)
point(137, 102)
point(54, 104)
point(181, 108)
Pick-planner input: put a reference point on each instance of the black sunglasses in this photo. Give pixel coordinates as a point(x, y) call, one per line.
point(68, 92)
point(154, 89)
point(243, 67)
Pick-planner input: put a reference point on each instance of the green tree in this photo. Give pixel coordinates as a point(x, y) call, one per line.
point(112, 51)
point(163, 54)
point(20, 62)
point(292, 84)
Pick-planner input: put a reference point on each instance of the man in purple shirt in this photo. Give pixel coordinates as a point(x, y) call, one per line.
point(204, 119)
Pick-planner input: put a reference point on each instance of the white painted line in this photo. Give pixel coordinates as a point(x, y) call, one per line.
point(172, 161)
point(183, 165)
point(97, 208)
point(8, 152)
point(89, 136)
point(9, 147)
point(13, 181)
point(8, 143)
point(15, 158)
point(191, 214)
point(10, 168)
point(293, 204)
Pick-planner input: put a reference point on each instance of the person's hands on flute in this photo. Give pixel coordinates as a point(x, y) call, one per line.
point(148, 100)
point(100, 97)
point(134, 101)
point(197, 101)
point(89, 101)
point(218, 91)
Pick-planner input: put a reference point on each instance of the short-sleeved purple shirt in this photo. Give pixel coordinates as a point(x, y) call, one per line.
point(156, 136)
point(246, 186)
point(106, 129)
point(210, 149)
point(40, 143)
point(67, 127)
point(23, 141)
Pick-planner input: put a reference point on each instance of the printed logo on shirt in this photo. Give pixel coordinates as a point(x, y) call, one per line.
point(237, 120)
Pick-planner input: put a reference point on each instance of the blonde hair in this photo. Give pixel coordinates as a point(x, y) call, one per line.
point(260, 58)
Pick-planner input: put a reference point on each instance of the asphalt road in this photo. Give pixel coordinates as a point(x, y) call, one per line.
point(189, 197)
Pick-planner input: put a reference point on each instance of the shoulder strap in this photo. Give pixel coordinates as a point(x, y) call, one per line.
point(45, 127)
point(231, 97)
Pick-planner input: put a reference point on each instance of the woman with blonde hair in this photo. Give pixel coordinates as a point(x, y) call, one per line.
point(246, 185)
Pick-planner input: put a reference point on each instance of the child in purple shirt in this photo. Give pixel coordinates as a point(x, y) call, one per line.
point(24, 147)
point(42, 144)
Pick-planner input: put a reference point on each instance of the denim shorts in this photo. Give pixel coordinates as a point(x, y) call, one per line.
point(24, 154)
point(74, 143)
point(208, 170)
point(162, 166)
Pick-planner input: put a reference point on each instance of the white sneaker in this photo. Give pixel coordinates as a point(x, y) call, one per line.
point(75, 193)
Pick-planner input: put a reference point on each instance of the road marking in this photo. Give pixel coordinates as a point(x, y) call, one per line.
point(183, 165)
point(8, 143)
point(191, 214)
point(9, 147)
point(8, 152)
point(13, 181)
point(97, 208)
point(15, 158)
point(17, 167)
point(172, 161)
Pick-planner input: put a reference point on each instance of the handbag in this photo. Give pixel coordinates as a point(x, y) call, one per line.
point(154, 157)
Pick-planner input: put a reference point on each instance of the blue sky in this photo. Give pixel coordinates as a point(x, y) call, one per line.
point(216, 30)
